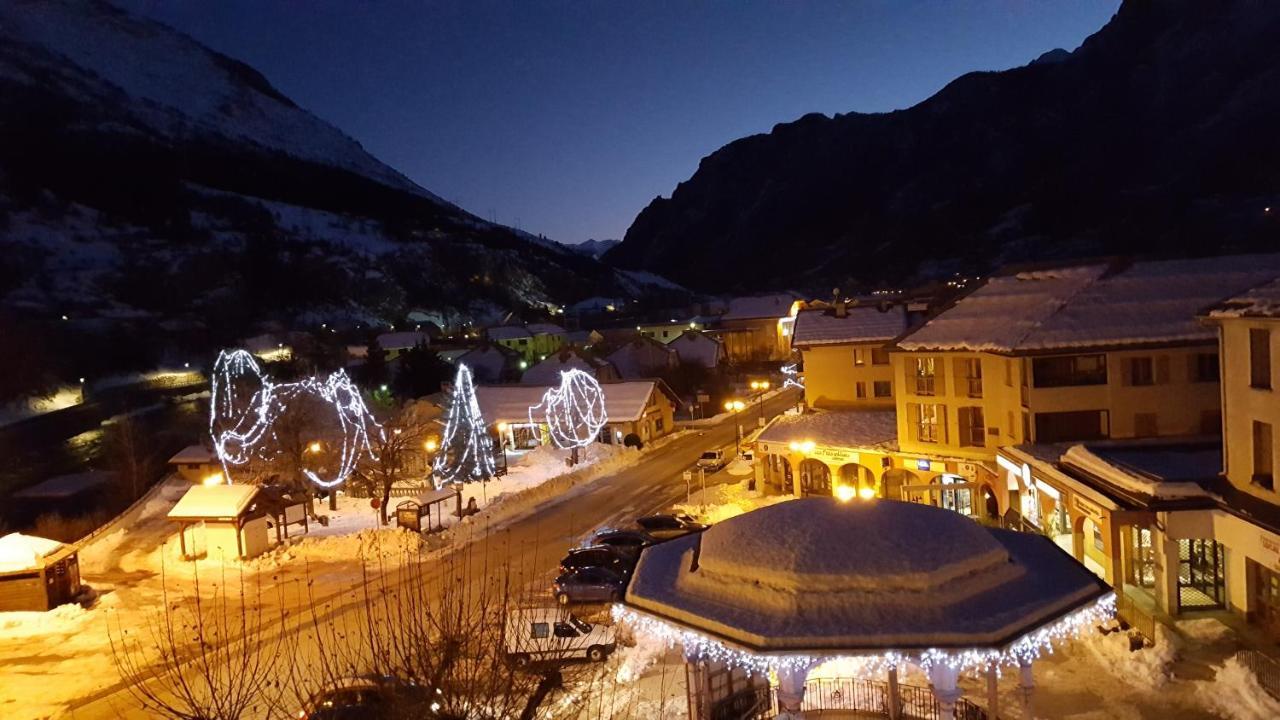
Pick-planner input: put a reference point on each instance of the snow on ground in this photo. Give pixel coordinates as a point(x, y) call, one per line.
point(63, 397)
point(721, 502)
point(1234, 693)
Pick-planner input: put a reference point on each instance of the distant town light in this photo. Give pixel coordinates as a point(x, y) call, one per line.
point(430, 445)
point(64, 317)
point(314, 447)
point(383, 387)
point(81, 381)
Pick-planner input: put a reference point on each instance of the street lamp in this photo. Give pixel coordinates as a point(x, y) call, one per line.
point(760, 386)
point(735, 407)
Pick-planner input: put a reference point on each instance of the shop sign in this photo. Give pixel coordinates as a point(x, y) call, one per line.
point(1088, 508)
point(968, 470)
point(923, 465)
point(834, 454)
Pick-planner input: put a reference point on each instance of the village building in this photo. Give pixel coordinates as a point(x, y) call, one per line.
point(699, 348)
point(583, 338)
point(547, 371)
point(665, 332)
point(492, 363)
point(197, 464)
point(36, 573)
point(763, 607)
point(643, 357)
point(220, 521)
point(758, 328)
point(71, 494)
point(845, 354)
point(644, 409)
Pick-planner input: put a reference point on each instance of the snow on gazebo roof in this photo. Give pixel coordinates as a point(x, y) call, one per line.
point(213, 501)
point(25, 552)
point(817, 578)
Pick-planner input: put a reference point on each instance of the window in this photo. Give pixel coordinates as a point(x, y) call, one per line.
point(1260, 358)
point(1069, 370)
point(882, 388)
point(1201, 583)
point(879, 356)
point(1142, 571)
point(540, 630)
point(659, 424)
point(1210, 422)
point(1144, 425)
point(927, 419)
point(1262, 456)
point(860, 390)
point(973, 432)
point(1098, 543)
point(925, 376)
point(973, 377)
point(859, 359)
point(565, 630)
point(1076, 425)
point(1009, 419)
point(1204, 367)
point(1141, 371)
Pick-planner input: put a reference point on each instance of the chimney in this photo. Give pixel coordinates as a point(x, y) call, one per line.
point(842, 308)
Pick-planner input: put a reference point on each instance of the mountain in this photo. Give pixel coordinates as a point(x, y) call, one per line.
point(147, 179)
point(594, 248)
point(1157, 135)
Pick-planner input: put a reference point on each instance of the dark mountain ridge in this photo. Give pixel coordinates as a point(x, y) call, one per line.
point(1155, 136)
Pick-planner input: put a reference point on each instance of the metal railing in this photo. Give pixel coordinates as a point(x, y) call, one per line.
point(1265, 668)
point(1136, 616)
point(871, 698)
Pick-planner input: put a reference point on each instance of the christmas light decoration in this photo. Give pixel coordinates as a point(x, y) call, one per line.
point(1024, 650)
point(242, 429)
point(791, 376)
point(466, 448)
point(573, 412)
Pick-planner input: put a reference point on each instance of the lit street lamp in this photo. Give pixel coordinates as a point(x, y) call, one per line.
point(760, 386)
point(735, 407)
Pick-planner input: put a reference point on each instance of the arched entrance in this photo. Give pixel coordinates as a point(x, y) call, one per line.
point(895, 479)
point(956, 499)
point(990, 503)
point(815, 478)
point(858, 476)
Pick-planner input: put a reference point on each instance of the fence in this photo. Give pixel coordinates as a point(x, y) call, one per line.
point(872, 698)
point(1136, 616)
point(1264, 668)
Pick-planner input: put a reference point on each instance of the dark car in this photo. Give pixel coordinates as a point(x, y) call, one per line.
point(667, 527)
point(589, 584)
point(601, 556)
point(372, 696)
point(628, 542)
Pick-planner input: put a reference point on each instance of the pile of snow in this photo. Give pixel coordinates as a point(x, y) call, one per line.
point(1148, 668)
point(1083, 458)
point(62, 620)
point(1234, 693)
point(721, 502)
point(25, 552)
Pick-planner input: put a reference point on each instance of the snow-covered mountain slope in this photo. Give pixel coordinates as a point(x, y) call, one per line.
point(143, 175)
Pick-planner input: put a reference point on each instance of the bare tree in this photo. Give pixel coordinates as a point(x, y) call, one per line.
point(208, 655)
point(130, 455)
point(399, 452)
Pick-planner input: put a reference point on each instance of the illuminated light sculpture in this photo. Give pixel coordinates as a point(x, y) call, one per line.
point(466, 448)
point(574, 412)
point(242, 427)
point(791, 376)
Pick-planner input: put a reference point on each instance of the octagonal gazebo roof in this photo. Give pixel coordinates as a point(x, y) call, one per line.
point(819, 577)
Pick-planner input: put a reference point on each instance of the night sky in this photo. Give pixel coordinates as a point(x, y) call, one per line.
point(567, 118)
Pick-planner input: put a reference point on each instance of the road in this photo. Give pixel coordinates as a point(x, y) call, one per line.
point(537, 540)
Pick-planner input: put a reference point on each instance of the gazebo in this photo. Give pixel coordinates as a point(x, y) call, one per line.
point(880, 583)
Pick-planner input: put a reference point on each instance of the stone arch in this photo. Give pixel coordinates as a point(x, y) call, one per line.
point(815, 478)
point(778, 471)
point(857, 475)
point(989, 502)
point(893, 480)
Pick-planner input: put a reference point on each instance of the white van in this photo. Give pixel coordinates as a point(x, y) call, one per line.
point(550, 634)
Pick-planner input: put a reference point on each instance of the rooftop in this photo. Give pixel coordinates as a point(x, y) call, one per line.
point(511, 403)
point(871, 429)
point(507, 332)
point(862, 323)
point(66, 486)
point(214, 501)
point(545, 329)
point(1259, 301)
point(25, 552)
point(1093, 305)
point(192, 454)
point(921, 577)
point(756, 307)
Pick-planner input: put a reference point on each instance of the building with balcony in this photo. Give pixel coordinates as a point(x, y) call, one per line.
point(758, 328)
point(845, 353)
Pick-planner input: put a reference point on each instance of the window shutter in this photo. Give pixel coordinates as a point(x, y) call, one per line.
point(940, 372)
point(943, 436)
point(913, 421)
point(1162, 369)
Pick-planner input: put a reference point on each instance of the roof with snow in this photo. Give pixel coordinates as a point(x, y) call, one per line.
point(66, 486)
point(869, 429)
point(861, 324)
point(623, 401)
point(25, 552)
point(403, 340)
point(922, 577)
point(1139, 473)
point(1090, 306)
point(191, 455)
point(548, 370)
point(507, 332)
point(1259, 301)
point(643, 356)
point(756, 307)
point(545, 329)
point(203, 502)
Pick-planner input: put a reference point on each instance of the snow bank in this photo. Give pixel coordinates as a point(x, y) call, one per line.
point(1148, 668)
point(721, 502)
point(1234, 693)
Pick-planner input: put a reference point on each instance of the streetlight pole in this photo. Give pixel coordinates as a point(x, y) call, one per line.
point(760, 386)
point(735, 407)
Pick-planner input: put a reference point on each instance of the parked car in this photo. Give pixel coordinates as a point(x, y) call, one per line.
point(589, 584)
point(712, 460)
point(669, 526)
point(602, 556)
point(628, 542)
point(553, 634)
point(367, 696)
